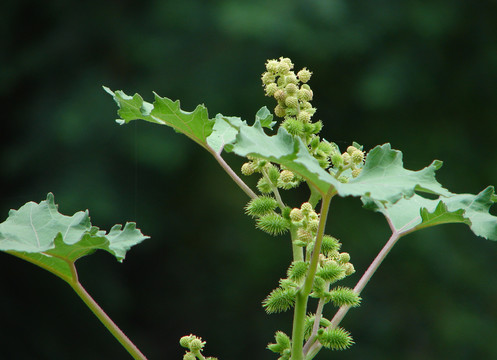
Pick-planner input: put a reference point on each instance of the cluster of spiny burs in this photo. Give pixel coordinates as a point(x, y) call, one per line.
point(293, 96)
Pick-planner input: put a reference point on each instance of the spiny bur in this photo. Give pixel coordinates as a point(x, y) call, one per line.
point(335, 339)
point(273, 224)
point(342, 296)
point(261, 205)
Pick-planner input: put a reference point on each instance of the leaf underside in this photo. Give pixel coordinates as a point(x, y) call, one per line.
point(40, 234)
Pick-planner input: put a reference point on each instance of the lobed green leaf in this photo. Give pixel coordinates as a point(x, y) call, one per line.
point(383, 177)
point(38, 233)
point(417, 212)
point(195, 124)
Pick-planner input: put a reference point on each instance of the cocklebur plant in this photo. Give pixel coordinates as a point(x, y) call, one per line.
point(295, 158)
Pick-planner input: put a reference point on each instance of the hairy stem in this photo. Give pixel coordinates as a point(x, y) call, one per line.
point(314, 349)
point(104, 318)
point(305, 290)
point(233, 175)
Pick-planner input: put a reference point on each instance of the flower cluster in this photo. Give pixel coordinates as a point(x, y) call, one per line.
point(195, 345)
point(273, 176)
point(351, 160)
point(293, 95)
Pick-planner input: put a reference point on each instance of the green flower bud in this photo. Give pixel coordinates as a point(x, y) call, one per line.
point(304, 235)
point(349, 269)
point(293, 126)
point(185, 341)
point(343, 179)
point(271, 89)
point(279, 111)
point(291, 111)
point(196, 344)
point(273, 224)
point(296, 215)
point(287, 61)
point(357, 157)
point(291, 89)
point(306, 208)
point(280, 95)
point(304, 95)
point(346, 158)
point(286, 176)
point(304, 105)
point(344, 258)
point(291, 79)
point(304, 116)
point(268, 78)
point(291, 101)
point(247, 169)
point(356, 172)
point(313, 225)
point(283, 68)
point(351, 150)
point(261, 205)
point(311, 110)
point(189, 356)
point(304, 75)
point(272, 66)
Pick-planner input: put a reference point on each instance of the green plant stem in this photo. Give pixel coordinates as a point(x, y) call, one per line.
point(298, 251)
point(104, 318)
point(198, 354)
point(305, 290)
point(314, 349)
point(233, 175)
point(317, 321)
point(315, 195)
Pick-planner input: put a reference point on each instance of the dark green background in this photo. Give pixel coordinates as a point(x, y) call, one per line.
point(419, 74)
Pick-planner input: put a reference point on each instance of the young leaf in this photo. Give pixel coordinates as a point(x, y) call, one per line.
point(265, 117)
point(38, 233)
point(224, 132)
point(196, 124)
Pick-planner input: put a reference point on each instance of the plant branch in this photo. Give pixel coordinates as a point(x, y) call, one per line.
point(317, 322)
point(104, 318)
point(232, 174)
point(358, 289)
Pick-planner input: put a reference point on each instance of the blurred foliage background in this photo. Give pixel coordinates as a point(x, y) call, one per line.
point(419, 74)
